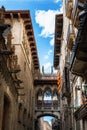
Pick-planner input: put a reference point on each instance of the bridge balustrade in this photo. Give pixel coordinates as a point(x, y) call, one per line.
point(47, 104)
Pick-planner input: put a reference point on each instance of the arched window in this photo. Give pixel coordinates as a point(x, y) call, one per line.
point(47, 94)
point(47, 98)
point(55, 95)
point(39, 95)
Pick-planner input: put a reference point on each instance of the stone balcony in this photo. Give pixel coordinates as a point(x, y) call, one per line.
point(47, 105)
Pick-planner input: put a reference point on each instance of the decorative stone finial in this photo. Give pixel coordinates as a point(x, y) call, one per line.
point(2, 11)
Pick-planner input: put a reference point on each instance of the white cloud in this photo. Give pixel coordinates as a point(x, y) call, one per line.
point(56, 1)
point(47, 66)
point(61, 8)
point(46, 20)
point(46, 57)
point(52, 41)
point(48, 54)
point(55, 71)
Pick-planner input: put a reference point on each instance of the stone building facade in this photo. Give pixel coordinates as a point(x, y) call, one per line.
point(18, 66)
point(72, 65)
point(47, 126)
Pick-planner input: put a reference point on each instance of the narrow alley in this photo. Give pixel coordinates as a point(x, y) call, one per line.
point(30, 97)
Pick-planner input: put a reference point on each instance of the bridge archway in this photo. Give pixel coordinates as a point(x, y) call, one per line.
point(53, 121)
point(55, 115)
point(46, 98)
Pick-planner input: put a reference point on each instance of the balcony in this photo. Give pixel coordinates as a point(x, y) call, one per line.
point(70, 37)
point(47, 105)
point(69, 7)
point(78, 59)
point(78, 62)
point(77, 8)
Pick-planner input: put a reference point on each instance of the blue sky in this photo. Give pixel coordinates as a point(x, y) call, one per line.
point(48, 118)
point(43, 20)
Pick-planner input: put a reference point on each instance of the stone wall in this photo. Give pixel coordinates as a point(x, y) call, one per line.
point(8, 106)
point(17, 90)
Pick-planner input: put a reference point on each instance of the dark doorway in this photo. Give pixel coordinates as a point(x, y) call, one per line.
point(5, 116)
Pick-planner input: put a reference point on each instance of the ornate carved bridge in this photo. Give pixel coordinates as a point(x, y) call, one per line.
point(46, 96)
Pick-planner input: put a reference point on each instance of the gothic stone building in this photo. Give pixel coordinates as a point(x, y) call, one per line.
point(18, 66)
point(70, 57)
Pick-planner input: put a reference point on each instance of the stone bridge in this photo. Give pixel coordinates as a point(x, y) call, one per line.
point(46, 96)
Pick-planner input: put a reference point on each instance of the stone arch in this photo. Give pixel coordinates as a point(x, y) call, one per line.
point(37, 119)
point(7, 109)
point(47, 88)
point(54, 115)
point(47, 114)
